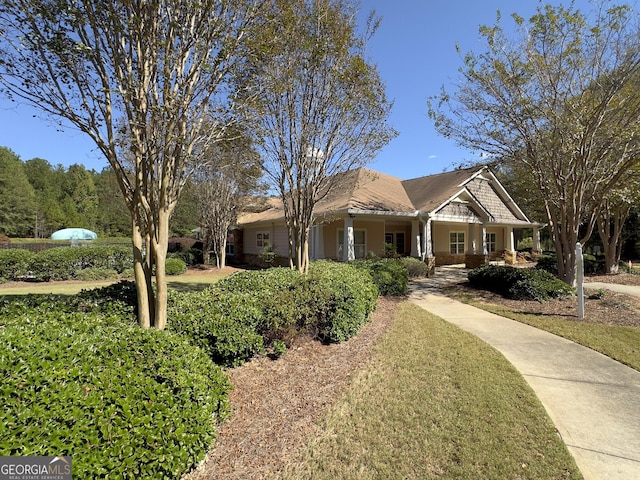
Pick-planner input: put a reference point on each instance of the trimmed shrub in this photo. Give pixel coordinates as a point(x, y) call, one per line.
point(416, 268)
point(175, 266)
point(389, 275)
point(14, 263)
point(332, 302)
point(192, 256)
point(89, 274)
point(278, 292)
point(548, 263)
point(122, 401)
point(225, 325)
point(353, 298)
point(63, 263)
point(519, 283)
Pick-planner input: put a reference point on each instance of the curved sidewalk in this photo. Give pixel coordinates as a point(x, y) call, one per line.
point(593, 401)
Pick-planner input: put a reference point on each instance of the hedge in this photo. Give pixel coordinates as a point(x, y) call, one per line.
point(223, 325)
point(519, 283)
point(120, 400)
point(390, 275)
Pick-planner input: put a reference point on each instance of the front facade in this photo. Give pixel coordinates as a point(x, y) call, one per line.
point(463, 216)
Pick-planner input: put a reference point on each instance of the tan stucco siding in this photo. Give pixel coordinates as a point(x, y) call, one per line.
point(277, 237)
point(441, 232)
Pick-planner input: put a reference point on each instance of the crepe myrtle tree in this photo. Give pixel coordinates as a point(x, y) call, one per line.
point(318, 107)
point(140, 78)
point(223, 187)
point(552, 98)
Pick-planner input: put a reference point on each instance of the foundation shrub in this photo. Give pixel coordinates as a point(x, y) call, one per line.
point(124, 402)
point(389, 274)
point(415, 268)
point(519, 283)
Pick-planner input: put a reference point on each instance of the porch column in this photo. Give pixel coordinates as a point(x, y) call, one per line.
point(473, 244)
point(483, 233)
point(319, 242)
point(427, 250)
point(508, 241)
point(348, 248)
point(537, 248)
point(415, 239)
point(510, 250)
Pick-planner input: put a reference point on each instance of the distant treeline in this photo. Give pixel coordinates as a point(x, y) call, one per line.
point(37, 198)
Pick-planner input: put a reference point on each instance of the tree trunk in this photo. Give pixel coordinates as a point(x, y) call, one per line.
point(610, 223)
point(206, 247)
point(142, 284)
point(221, 255)
point(161, 278)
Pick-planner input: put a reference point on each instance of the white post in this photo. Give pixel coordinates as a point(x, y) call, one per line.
point(580, 280)
point(348, 246)
point(415, 239)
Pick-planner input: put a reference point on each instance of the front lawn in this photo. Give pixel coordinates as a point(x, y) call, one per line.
point(435, 402)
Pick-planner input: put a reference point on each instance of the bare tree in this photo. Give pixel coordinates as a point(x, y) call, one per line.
point(145, 72)
point(222, 189)
point(319, 109)
point(553, 100)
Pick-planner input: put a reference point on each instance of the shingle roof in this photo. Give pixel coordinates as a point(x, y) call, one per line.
point(428, 193)
point(366, 190)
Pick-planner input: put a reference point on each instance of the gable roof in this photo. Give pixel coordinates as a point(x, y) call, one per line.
point(366, 191)
point(428, 193)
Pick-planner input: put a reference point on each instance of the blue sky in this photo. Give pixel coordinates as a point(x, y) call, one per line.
point(415, 50)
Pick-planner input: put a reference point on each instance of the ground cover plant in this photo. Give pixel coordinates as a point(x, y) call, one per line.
point(435, 402)
point(80, 378)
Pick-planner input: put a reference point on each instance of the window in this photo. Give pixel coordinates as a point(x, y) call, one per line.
point(491, 242)
point(456, 243)
point(397, 240)
point(262, 240)
point(231, 244)
point(359, 244)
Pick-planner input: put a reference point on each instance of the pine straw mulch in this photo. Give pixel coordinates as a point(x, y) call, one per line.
point(606, 307)
point(275, 403)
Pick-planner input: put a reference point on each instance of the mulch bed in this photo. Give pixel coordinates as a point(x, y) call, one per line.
point(609, 308)
point(276, 403)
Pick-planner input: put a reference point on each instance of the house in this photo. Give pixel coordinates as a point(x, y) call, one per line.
point(462, 216)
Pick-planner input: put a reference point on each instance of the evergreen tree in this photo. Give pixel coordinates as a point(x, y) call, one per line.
point(18, 205)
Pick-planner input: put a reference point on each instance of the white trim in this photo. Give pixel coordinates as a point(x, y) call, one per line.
point(457, 243)
point(340, 233)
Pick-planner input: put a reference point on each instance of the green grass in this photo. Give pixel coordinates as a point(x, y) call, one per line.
point(617, 342)
point(436, 402)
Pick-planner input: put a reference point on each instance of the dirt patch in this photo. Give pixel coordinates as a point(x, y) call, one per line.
point(276, 403)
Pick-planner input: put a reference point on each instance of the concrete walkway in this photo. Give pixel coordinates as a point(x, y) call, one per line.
point(593, 401)
point(626, 289)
